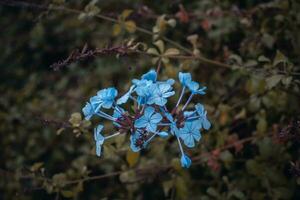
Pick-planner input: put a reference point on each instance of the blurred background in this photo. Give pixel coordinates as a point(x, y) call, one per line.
point(252, 74)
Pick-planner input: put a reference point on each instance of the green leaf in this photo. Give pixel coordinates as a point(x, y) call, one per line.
point(130, 26)
point(36, 166)
point(193, 40)
point(261, 125)
point(181, 187)
point(268, 40)
point(67, 193)
point(213, 192)
point(287, 80)
point(266, 147)
point(172, 52)
point(263, 58)
point(160, 44)
point(116, 29)
point(172, 22)
point(167, 186)
point(279, 58)
point(127, 176)
point(59, 180)
point(153, 51)
point(273, 80)
point(254, 168)
point(126, 13)
point(226, 156)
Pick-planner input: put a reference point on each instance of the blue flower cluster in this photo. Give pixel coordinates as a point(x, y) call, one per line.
point(150, 117)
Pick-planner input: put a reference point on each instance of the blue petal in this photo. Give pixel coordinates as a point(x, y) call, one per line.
point(160, 101)
point(188, 140)
point(141, 122)
point(88, 111)
point(199, 108)
point(98, 148)
point(133, 147)
point(163, 134)
point(193, 86)
point(149, 112)
point(126, 96)
point(168, 94)
point(151, 127)
point(150, 76)
point(185, 161)
point(97, 134)
point(184, 78)
point(206, 124)
point(156, 118)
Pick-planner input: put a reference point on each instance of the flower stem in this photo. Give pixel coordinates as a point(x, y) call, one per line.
point(180, 146)
point(180, 98)
point(113, 135)
point(188, 101)
point(150, 138)
point(106, 116)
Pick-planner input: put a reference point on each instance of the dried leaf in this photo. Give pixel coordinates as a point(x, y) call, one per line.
point(132, 157)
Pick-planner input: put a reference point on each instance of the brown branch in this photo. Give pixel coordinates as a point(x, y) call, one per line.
point(78, 55)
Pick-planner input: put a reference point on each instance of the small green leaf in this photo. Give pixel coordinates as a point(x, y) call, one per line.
point(172, 52)
point(273, 80)
point(213, 192)
point(67, 193)
point(287, 80)
point(130, 26)
point(126, 13)
point(262, 125)
point(263, 58)
point(226, 156)
point(160, 44)
point(153, 51)
point(59, 179)
point(36, 166)
point(279, 58)
point(116, 29)
point(172, 22)
point(127, 176)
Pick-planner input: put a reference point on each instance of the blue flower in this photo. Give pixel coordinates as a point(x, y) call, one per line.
point(185, 161)
point(150, 76)
point(195, 88)
point(173, 127)
point(88, 111)
point(160, 93)
point(133, 139)
point(99, 139)
point(104, 98)
point(142, 88)
point(149, 120)
point(117, 114)
point(184, 78)
point(190, 132)
point(202, 114)
point(126, 96)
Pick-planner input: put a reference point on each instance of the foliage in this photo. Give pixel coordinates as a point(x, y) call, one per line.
point(246, 52)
